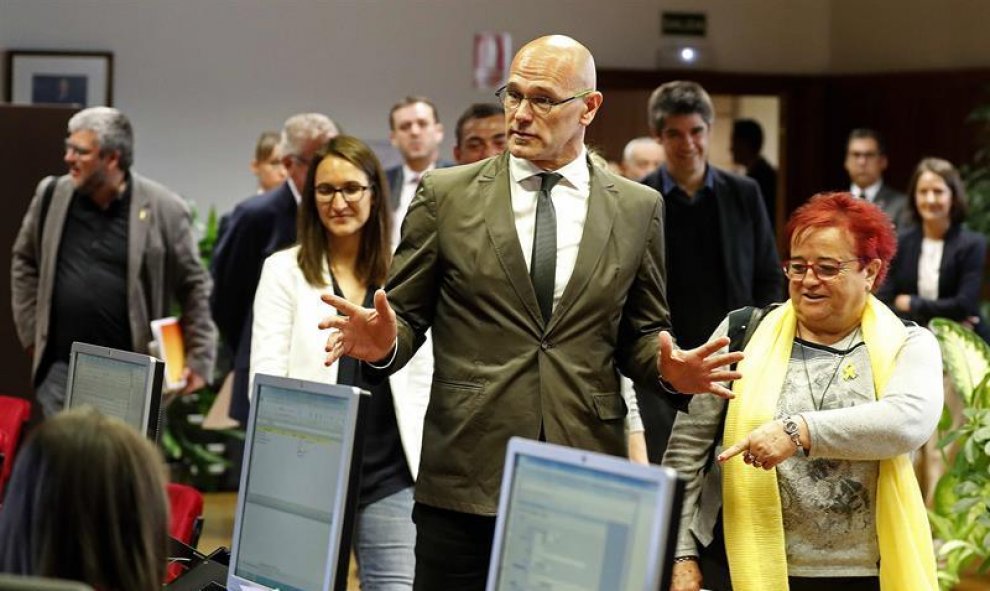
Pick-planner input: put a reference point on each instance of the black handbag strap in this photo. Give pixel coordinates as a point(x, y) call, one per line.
point(46, 203)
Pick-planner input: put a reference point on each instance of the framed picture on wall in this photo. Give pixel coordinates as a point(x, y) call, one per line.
point(80, 78)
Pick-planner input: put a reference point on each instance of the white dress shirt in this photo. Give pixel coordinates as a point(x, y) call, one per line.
point(570, 204)
point(929, 264)
point(410, 182)
point(295, 191)
point(869, 193)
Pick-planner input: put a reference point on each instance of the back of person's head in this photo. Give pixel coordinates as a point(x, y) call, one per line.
point(680, 97)
point(749, 132)
point(87, 502)
point(112, 129)
point(303, 129)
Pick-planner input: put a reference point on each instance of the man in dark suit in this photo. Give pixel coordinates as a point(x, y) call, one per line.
point(746, 146)
point(416, 132)
point(259, 226)
point(542, 277)
point(721, 253)
point(866, 159)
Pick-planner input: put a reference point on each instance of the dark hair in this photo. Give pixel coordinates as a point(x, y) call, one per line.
point(680, 97)
point(87, 502)
point(952, 178)
point(872, 231)
point(749, 132)
point(477, 111)
point(865, 133)
point(412, 100)
point(375, 251)
point(267, 142)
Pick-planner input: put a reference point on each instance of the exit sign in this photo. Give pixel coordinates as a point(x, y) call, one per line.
point(689, 24)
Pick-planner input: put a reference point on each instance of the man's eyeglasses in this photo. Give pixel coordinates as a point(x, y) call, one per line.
point(325, 192)
point(77, 150)
point(824, 269)
point(512, 100)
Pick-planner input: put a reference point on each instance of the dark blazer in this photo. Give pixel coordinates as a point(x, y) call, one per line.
point(394, 177)
point(752, 270)
point(894, 204)
point(499, 371)
point(960, 276)
point(258, 226)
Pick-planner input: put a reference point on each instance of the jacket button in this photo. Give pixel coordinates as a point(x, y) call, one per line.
point(546, 345)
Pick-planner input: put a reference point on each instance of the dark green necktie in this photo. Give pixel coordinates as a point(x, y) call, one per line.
point(543, 266)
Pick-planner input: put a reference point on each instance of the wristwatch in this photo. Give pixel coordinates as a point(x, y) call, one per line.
point(794, 432)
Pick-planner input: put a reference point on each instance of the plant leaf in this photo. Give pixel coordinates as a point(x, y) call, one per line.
point(966, 356)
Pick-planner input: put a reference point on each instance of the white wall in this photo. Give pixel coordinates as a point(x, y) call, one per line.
point(201, 78)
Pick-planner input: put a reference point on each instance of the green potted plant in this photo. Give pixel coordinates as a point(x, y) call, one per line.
point(960, 515)
point(198, 456)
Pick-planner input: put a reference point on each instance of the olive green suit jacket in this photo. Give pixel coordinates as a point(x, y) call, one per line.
point(500, 371)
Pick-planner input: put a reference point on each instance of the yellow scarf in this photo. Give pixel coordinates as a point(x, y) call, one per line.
point(754, 528)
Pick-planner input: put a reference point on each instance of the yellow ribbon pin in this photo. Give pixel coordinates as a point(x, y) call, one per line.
point(849, 372)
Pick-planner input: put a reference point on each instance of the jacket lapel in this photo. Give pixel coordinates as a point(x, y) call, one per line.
point(137, 231)
point(493, 189)
point(597, 229)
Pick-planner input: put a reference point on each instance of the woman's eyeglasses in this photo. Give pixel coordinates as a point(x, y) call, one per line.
point(824, 269)
point(325, 192)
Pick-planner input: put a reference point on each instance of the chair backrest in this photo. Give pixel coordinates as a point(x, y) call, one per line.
point(19, 583)
point(14, 412)
point(186, 510)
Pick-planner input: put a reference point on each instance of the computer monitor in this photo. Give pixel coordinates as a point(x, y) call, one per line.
point(117, 383)
point(581, 521)
point(298, 491)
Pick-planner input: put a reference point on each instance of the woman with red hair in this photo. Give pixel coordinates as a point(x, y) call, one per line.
point(812, 487)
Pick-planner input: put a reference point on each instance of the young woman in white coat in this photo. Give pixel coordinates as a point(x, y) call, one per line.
point(344, 229)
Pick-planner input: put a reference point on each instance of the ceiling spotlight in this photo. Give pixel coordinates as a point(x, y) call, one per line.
point(688, 55)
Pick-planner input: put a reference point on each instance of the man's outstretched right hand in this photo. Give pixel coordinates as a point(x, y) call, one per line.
point(362, 333)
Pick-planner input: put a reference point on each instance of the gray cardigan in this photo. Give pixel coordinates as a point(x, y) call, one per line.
point(898, 423)
point(163, 266)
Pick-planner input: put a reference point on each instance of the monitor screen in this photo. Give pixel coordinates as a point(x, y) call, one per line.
point(117, 383)
point(294, 485)
point(582, 522)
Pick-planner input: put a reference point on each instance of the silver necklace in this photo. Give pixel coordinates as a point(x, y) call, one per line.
point(835, 370)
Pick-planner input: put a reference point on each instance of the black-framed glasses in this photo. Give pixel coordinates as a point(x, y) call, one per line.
point(352, 193)
point(824, 269)
point(512, 100)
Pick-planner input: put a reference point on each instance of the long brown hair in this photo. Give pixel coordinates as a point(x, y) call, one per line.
point(375, 252)
point(87, 502)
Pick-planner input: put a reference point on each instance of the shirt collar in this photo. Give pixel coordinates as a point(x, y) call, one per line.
point(575, 172)
point(295, 191)
point(869, 193)
point(409, 174)
point(668, 184)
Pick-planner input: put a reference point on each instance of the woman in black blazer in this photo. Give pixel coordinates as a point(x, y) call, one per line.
point(938, 270)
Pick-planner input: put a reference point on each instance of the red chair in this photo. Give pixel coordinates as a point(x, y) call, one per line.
point(186, 505)
point(186, 521)
point(14, 412)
